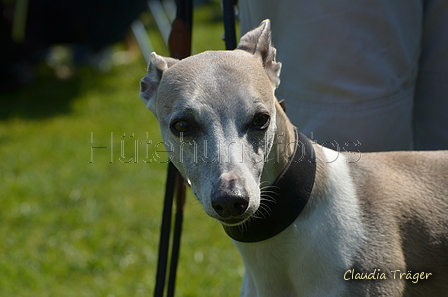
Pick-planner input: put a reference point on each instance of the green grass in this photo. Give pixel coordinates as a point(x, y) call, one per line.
point(69, 227)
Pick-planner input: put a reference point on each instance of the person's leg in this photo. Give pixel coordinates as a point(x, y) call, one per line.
point(431, 95)
point(349, 67)
point(374, 125)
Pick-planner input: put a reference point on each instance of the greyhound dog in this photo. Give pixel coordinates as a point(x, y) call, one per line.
point(307, 220)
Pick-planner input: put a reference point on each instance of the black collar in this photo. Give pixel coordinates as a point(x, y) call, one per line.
point(289, 195)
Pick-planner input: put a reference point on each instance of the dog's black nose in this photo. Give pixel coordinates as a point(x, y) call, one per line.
point(230, 205)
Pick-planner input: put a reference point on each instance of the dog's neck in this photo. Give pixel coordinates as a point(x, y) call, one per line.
point(277, 160)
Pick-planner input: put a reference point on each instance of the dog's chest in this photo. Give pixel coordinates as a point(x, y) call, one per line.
point(310, 256)
point(285, 266)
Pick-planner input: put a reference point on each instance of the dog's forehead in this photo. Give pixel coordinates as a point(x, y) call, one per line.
point(237, 61)
point(217, 75)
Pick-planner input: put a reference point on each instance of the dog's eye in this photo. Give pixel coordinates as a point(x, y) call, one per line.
point(181, 126)
point(261, 120)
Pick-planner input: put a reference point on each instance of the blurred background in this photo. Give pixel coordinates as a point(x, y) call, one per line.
point(81, 175)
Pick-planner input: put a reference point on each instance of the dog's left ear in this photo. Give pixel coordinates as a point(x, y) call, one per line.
point(258, 42)
point(150, 83)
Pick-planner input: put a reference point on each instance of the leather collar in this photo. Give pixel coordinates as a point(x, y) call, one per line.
point(289, 195)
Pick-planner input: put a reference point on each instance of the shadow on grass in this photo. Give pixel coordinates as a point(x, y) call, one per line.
point(48, 96)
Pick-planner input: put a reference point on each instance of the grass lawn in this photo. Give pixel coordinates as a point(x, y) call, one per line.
point(77, 221)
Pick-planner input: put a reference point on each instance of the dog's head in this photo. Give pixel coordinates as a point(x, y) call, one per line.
point(217, 115)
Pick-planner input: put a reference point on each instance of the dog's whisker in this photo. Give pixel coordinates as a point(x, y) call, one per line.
point(268, 187)
point(263, 182)
point(263, 210)
point(243, 226)
point(268, 192)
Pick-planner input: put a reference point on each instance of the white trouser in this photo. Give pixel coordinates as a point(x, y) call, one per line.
point(352, 70)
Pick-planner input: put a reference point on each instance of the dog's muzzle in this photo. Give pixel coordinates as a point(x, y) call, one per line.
point(231, 204)
point(230, 201)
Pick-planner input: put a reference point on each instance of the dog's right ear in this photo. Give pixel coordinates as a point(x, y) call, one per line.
point(150, 83)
